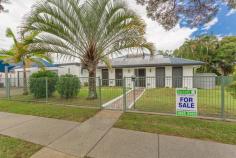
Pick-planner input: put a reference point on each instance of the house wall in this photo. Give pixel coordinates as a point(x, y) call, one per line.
point(18, 74)
point(168, 76)
point(112, 77)
point(127, 72)
point(11, 77)
point(151, 77)
point(69, 69)
point(188, 76)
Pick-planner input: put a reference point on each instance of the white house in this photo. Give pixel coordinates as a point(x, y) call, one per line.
point(150, 71)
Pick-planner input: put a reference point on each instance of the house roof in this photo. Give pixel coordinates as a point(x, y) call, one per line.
point(44, 62)
point(68, 64)
point(150, 61)
point(2, 66)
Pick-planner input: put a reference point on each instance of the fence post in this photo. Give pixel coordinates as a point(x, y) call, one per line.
point(7, 88)
point(134, 90)
point(46, 82)
point(222, 97)
point(124, 94)
point(100, 92)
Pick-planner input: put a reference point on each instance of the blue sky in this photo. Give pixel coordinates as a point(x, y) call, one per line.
point(222, 25)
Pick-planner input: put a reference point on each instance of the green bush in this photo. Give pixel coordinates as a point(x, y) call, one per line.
point(86, 84)
point(37, 83)
point(232, 87)
point(68, 86)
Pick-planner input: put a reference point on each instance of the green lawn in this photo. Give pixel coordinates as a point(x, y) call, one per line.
point(219, 131)
point(108, 93)
point(47, 110)
point(15, 148)
point(163, 100)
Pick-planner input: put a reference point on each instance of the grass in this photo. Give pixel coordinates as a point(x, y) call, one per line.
point(46, 110)
point(163, 100)
point(15, 148)
point(108, 93)
point(219, 131)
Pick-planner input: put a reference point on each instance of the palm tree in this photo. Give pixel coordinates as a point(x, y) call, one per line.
point(2, 9)
point(90, 32)
point(20, 53)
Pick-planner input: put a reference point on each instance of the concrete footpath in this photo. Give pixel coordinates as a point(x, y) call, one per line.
point(96, 138)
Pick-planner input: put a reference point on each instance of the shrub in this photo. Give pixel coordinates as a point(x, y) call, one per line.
point(38, 83)
point(232, 87)
point(68, 86)
point(86, 84)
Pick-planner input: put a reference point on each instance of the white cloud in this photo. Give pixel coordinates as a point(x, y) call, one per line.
point(231, 12)
point(208, 25)
point(163, 40)
point(17, 10)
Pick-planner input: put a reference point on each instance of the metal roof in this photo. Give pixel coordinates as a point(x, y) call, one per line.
point(150, 61)
point(44, 62)
point(68, 64)
point(2, 66)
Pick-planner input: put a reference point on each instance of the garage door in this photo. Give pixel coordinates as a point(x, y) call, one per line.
point(105, 77)
point(160, 77)
point(119, 77)
point(177, 77)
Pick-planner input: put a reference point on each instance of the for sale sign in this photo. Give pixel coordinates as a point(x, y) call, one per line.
point(186, 102)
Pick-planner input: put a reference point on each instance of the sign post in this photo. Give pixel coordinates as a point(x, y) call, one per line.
point(186, 102)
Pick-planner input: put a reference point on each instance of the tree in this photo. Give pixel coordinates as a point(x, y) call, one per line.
point(202, 48)
point(20, 52)
point(90, 32)
point(219, 55)
point(191, 12)
point(2, 9)
point(165, 52)
point(226, 55)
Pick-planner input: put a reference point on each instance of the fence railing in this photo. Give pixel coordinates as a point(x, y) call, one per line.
point(216, 95)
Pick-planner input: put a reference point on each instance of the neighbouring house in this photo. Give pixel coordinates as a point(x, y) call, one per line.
point(2, 72)
point(150, 71)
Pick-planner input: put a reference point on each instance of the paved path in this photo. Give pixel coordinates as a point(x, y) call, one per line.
point(59, 136)
point(119, 143)
point(118, 103)
point(97, 139)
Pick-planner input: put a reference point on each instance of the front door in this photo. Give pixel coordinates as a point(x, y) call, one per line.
point(160, 77)
point(119, 77)
point(177, 77)
point(105, 77)
point(141, 77)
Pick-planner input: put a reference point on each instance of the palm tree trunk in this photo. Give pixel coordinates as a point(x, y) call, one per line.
point(25, 90)
point(92, 84)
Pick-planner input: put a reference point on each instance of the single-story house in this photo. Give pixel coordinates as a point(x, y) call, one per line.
point(150, 71)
